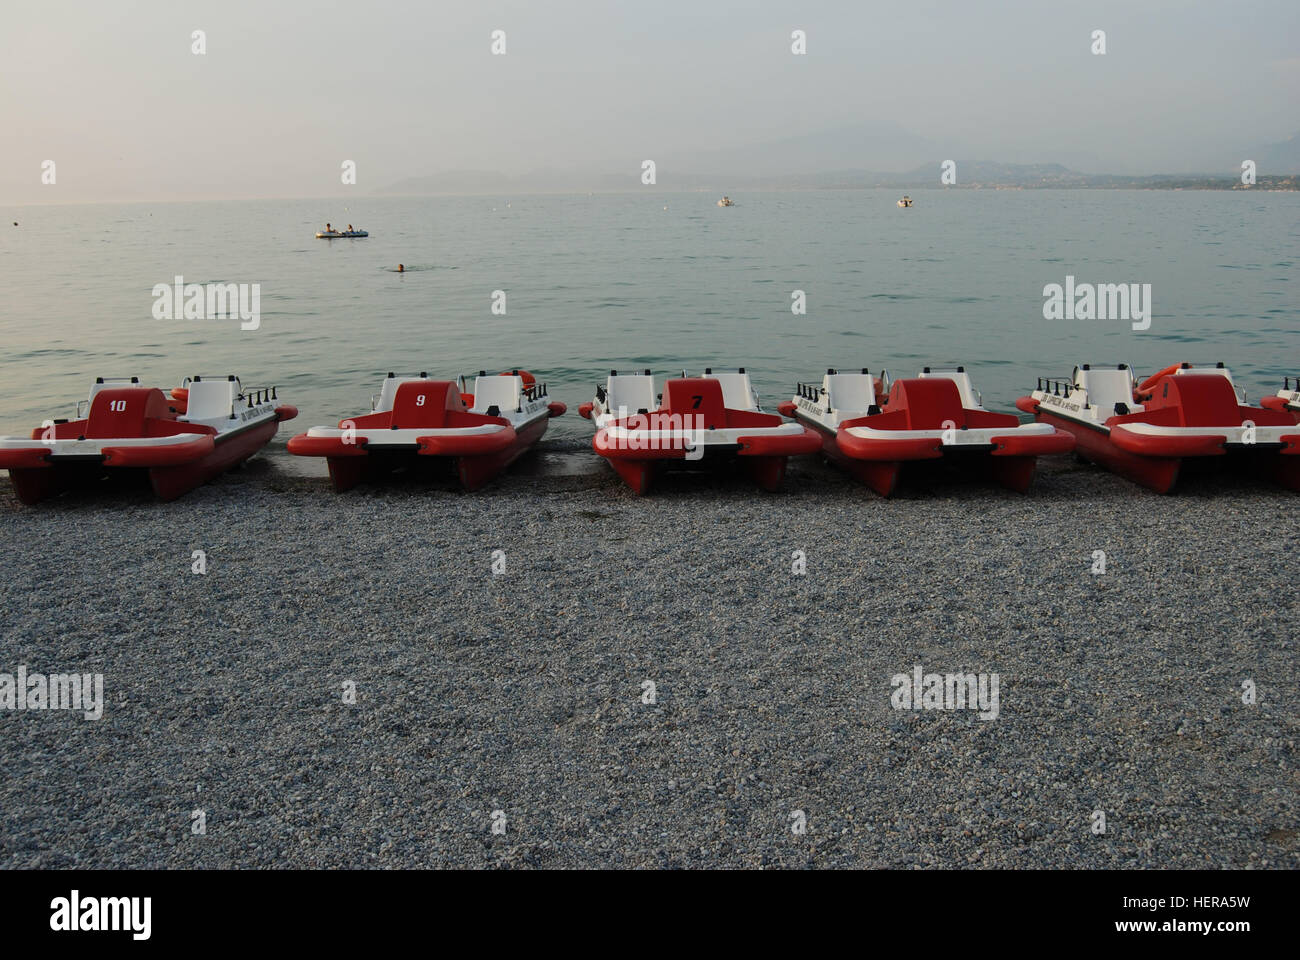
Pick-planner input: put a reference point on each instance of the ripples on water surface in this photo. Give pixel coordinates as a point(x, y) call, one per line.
point(644, 279)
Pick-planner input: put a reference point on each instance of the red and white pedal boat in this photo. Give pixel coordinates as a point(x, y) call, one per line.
point(709, 417)
point(873, 429)
point(204, 428)
point(1146, 432)
point(415, 417)
point(1287, 399)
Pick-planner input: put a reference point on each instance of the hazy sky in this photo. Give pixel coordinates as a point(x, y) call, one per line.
point(287, 90)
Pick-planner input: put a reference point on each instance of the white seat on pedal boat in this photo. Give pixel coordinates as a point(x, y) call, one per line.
point(630, 392)
point(211, 399)
point(1106, 388)
point(850, 392)
point(737, 393)
point(500, 392)
point(101, 384)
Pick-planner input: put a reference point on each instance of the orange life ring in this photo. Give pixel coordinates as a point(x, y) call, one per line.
point(527, 378)
point(1152, 380)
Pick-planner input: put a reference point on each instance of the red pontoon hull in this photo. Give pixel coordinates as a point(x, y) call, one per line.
point(1008, 467)
point(436, 424)
point(1281, 405)
point(173, 470)
point(1156, 462)
point(763, 457)
point(683, 430)
point(1156, 473)
point(880, 477)
point(175, 481)
point(476, 459)
point(918, 414)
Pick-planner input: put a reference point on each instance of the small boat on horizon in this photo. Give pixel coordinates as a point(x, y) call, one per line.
point(415, 417)
point(875, 429)
point(1147, 432)
point(712, 417)
point(182, 440)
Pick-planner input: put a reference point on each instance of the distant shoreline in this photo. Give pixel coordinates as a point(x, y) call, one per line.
point(1265, 185)
point(1225, 185)
point(963, 176)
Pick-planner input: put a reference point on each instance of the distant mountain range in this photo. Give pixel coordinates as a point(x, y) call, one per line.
point(858, 157)
point(970, 176)
point(1280, 158)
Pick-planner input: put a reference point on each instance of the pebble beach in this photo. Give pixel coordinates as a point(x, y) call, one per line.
point(502, 719)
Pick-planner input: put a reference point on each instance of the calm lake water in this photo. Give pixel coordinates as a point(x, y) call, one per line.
point(646, 279)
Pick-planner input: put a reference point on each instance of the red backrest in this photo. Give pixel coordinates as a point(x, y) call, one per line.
point(928, 402)
point(424, 403)
point(1203, 399)
point(124, 412)
point(696, 396)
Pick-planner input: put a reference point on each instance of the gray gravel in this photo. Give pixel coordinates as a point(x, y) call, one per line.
point(522, 692)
